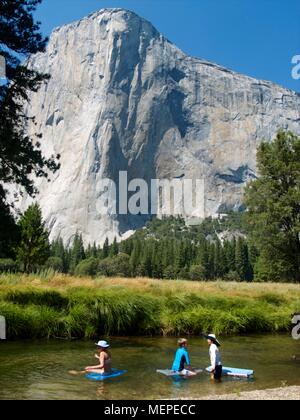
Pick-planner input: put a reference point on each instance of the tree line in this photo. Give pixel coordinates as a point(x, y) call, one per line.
point(264, 243)
point(186, 253)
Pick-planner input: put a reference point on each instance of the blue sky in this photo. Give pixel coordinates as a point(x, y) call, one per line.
point(254, 37)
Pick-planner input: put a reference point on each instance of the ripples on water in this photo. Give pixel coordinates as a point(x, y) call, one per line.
point(39, 370)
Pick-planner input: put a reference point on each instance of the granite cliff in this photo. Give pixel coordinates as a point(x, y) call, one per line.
point(123, 98)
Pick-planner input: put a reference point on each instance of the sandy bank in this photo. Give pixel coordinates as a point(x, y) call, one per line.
point(286, 393)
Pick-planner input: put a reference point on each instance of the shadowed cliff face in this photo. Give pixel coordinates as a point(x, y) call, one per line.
point(123, 98)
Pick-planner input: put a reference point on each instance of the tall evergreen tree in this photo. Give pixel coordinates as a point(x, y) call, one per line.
point(157, 264)
point(219, 261)
point(114, 249)
point(242, 260)
point(9, 231)
point(33, 249)
point(180, 258)
point(135, 258)
point(20, 155)
point(204, 261)
point(77, 253)
point(146, 268)
point(273, 202)
point(230, 252)
point(105, 250)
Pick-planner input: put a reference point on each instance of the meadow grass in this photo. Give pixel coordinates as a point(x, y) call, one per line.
point(63, 306)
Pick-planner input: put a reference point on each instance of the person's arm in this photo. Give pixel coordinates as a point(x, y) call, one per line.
point(188, 362)
point(212, 353)
point(100, 366)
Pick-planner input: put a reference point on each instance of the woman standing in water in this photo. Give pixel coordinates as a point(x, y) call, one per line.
point(215, 357)
point(104, 357)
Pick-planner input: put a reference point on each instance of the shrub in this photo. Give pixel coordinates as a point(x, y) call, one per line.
point(232, 276)
point(8, 266)
point(56, 263)
point(169, 273)
point(87, 267)
point(115, 266)
point(197, 272)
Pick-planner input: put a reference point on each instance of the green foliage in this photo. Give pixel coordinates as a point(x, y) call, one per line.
point(20, 156)
point(33, 249)
point(88, 313)
point(273, 201)
point(114, 249)
point(242, 263)
point(77, 253)
point(56, 263)
point(197, 272)
point(58, 251)
point(9, 231)
point(105, 251)
point(115, 266)
point(87, 267)
point(50, 298)
point(183, 253)
point(8, 265)
point(232, 276)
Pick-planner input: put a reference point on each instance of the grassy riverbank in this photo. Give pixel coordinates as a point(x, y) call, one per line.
point(62, 306)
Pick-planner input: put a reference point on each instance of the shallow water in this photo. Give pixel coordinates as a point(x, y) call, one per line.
point(39, 369)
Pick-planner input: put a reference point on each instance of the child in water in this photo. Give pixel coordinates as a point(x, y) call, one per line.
point(215, 357)
point(104, 357)
point(182, 363)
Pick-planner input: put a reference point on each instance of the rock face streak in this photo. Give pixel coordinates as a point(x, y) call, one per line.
point(123, 98)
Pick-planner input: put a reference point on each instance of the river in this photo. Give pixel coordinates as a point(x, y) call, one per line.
point(39, 369)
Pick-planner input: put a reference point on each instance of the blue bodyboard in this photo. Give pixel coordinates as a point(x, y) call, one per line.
point(241, 373)
point(97, 377)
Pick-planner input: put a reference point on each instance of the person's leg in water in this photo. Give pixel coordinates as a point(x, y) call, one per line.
point(217, 374)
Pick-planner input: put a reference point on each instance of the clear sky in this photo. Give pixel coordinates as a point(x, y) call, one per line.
point(254, 37)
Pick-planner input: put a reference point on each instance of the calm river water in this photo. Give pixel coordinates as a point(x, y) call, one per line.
point(39, 369)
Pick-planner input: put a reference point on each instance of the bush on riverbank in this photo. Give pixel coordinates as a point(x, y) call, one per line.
point(83, 308)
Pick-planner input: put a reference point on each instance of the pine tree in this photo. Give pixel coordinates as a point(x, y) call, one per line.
point(180, 258)
point(146, 268)
point(34, 248)
point(58, 250)
point(219, 263)
point(20, 156)
point(203, 260)
point(105, 250)
point(157, 264)
point(77, 253)
point(9, 231)
point(242, 259)
point(114, 249)
point(273, 202)
point(230, 251)
point(135, 258)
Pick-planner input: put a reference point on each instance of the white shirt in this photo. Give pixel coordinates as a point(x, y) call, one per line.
point(215, 356)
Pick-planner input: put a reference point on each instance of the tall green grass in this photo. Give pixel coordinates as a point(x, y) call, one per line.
point(84, 312)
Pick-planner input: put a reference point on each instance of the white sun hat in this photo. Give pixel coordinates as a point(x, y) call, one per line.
point(103, 344)
point(213, 338)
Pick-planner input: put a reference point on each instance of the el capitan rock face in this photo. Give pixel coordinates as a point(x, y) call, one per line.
point(122, 97)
